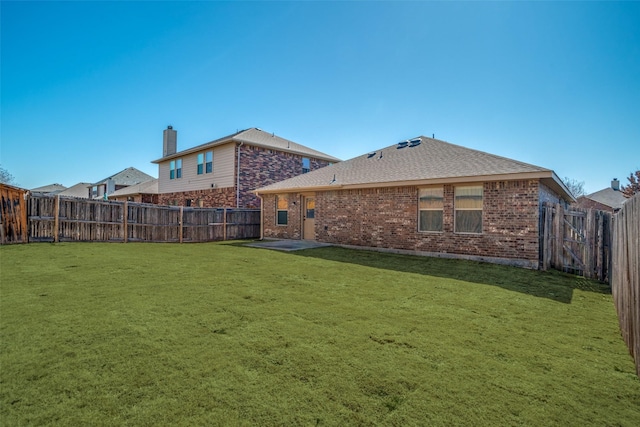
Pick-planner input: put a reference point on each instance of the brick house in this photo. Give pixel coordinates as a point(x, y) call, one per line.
point(224, 172)
point(609, 199)
point(125, 178)
point(420, 196)
point(145, 192)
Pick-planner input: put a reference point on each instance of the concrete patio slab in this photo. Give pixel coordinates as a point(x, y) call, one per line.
point(287, 245)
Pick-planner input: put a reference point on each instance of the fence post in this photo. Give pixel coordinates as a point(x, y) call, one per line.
point(125, 221)
point(224, 224)
point(589, 244)
point(180, 224)
point(559, 237)
point(56, 219)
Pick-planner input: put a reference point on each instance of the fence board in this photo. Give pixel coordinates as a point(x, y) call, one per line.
point(13, 215)
point(110, 221)
point(625, 283)
point(576, 241)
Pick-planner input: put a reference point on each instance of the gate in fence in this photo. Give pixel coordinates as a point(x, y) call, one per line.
point(576, 241)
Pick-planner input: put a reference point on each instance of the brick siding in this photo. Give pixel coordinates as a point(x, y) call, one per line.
point(261, 166)
point(388, 218)
point(258, 167)
point(210, 198)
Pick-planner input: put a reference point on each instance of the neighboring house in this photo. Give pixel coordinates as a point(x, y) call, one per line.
point(422, 195)
point(79, 190)
point(145, 192)
point(609, 199)
point(224, 172)
point(125, 178)
point(48, 190)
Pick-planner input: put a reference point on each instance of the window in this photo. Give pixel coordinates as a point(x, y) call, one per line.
point(282, 206)
point(209, 162)
point(200, 164)
point(430, 206)
point(468, 209)
point(175, 169)
point(306, 165)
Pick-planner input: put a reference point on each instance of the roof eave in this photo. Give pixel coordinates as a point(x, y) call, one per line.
point(552, 181)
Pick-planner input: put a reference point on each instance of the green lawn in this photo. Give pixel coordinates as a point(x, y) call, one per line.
point(223, 334)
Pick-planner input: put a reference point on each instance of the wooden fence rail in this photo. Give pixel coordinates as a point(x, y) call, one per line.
point(56, 219)
point(625, 283)
point(575, 240)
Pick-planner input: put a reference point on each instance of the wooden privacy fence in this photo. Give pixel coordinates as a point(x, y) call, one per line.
point(13, 214)
point(625, 277)
point(575, 240)
point(55, 219)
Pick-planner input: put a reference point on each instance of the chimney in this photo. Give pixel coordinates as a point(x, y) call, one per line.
point(615, 184)
point(169, 141)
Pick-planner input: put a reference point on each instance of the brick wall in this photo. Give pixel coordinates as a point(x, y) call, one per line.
point(388, 218)
point(210, 198)
point(293, 228)
point(260, 167)
point(586, 203)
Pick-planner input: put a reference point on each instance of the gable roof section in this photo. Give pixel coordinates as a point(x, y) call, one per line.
point(431, 162)
point(51, 188)
point(128, 176)
point(609, 197)
point(258, 138)
point(79, 190)
point(147, 187)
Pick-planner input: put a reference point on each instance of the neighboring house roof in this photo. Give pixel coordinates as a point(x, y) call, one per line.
point(430, 161)
point(259, 138)
point(51, 188)
point(147, 187)
point(78, 190)
point(608, 197)
point(128, 176)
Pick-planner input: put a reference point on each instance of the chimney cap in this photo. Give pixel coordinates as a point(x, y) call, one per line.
point(169, 127)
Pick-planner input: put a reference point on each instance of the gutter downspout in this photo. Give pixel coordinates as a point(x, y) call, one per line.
point(238, 178)
point(261, 216)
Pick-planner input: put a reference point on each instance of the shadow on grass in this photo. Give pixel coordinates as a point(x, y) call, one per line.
point(553, 285)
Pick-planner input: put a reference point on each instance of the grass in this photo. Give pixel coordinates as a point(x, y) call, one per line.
point(222, 334)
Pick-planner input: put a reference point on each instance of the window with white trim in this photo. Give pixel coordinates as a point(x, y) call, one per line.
point(200, 169)
point(282, 210)
point(430, 207)
point(208, 165)
point(175, 169)
point(468, 209)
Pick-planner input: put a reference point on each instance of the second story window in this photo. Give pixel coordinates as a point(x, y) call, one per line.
point(306, 165)
point(175, 169)
point(208, 161)
point(200, 163)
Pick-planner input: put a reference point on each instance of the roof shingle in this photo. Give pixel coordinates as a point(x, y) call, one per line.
point(431, 159)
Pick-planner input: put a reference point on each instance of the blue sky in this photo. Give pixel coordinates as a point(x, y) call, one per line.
point(88, 87)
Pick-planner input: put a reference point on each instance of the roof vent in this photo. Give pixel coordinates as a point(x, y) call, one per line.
point(370, 155)
point(414, 142)
point(402, 144)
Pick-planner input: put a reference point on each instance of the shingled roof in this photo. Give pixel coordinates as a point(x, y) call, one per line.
point(421, 161)
point(259, 138)
point(608, 197)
